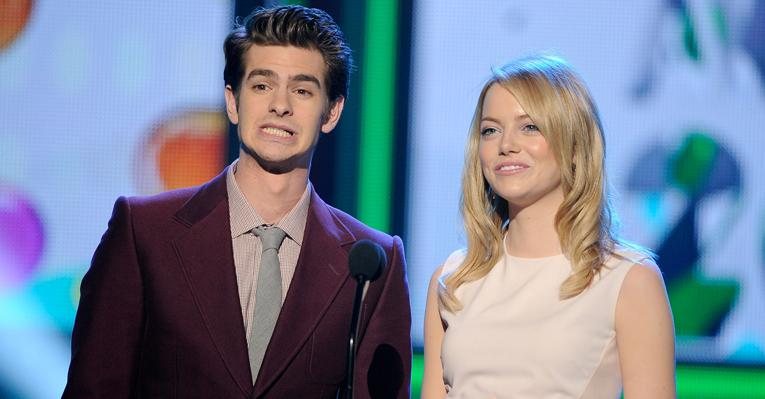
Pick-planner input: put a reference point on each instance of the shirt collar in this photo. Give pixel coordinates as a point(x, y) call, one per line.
point(243, 217)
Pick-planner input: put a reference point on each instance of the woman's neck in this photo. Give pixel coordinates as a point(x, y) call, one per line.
point(531, 232)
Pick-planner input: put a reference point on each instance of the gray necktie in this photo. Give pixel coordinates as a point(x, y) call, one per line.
point(268, 295)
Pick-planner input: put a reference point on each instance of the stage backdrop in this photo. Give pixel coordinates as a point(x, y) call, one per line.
point(97, 100)
point(681, 92)
point(101, 99)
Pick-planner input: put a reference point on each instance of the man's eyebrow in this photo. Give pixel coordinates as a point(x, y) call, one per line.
point(260, 72)
point(302, 77)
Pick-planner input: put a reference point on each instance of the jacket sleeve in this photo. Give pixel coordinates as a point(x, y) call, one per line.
point(107, 329)
point(384, 358)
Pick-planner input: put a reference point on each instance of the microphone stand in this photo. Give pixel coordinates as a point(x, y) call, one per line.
point(354, 334)
point(366, 261)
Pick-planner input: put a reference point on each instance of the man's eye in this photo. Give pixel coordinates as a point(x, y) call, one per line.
point(303, 92)
point(259, 87)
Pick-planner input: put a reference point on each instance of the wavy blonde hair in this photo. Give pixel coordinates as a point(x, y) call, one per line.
point(558, 102)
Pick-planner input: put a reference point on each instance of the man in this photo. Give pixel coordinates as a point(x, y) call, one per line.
point(190, 295)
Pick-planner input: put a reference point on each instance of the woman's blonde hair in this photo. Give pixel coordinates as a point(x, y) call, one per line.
point(558, 102)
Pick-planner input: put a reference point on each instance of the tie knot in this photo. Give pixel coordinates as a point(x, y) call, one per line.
point(271, 237)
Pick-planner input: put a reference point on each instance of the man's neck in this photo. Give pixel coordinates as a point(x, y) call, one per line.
point(272, 195)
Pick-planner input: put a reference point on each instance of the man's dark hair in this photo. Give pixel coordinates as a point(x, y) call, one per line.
point(298, 26)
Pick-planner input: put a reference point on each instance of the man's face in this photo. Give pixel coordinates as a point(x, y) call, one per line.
point(282, 106)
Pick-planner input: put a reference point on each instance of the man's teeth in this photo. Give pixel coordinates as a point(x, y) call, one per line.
point(277, 132)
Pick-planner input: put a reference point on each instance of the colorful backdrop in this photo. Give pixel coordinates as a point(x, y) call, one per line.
point(125, 98)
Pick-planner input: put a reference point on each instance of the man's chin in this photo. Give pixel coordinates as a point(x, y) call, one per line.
point(275, 164)
point(277, 167)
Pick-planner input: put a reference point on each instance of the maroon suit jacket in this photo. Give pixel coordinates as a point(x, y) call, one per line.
point(159, 313)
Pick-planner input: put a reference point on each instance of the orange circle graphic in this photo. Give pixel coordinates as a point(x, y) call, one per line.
point(14, 16)
point(185, 149)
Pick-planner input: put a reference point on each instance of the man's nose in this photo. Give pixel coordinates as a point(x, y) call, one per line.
point(280, 103)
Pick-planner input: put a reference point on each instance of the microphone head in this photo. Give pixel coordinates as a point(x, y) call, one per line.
point(366, 260)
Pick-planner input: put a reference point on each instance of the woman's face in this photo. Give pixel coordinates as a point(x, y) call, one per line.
point(515, 157)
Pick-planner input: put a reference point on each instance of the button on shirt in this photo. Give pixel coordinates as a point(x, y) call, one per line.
point(247, 246)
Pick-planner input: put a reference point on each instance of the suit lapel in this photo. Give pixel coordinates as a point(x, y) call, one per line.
point(320, 273)
point(206, 257)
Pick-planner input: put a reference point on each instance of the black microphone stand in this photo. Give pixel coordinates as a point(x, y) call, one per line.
point(366, 261)
point(354, 334)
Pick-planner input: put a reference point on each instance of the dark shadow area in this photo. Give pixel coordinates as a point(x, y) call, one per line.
point(386, 373)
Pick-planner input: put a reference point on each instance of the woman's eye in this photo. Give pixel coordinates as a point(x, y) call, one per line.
point(530, 128)
point(488, 131)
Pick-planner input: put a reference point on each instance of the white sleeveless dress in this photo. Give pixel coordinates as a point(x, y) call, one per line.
point(514, 338)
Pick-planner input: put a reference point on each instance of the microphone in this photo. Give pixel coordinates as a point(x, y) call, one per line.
point(366, 262)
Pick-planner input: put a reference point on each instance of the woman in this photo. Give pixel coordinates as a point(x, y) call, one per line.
point(546, 301)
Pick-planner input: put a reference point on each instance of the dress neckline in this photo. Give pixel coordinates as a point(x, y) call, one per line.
point(540, 259)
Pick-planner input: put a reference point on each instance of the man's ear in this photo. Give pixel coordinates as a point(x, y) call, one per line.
point(333, 115)
point(231, 105)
